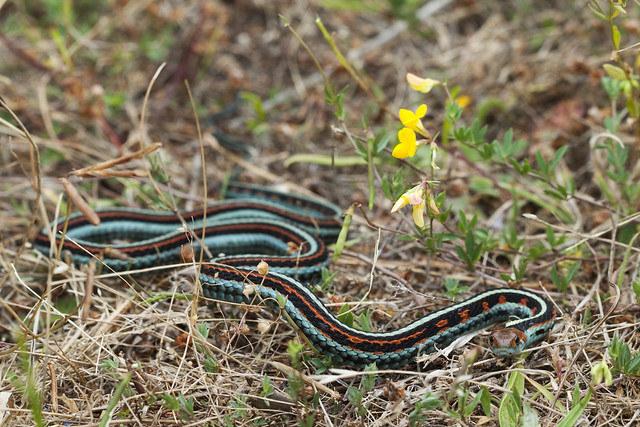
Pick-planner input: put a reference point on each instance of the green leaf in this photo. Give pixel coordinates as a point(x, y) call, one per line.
point(634, 366)
point(282, 301)
point(557, 280)
point(508, 412)
point(613, 89)
point(203, 329)
point(541, 162)
point(370, 171)
point(529, 417)
point(345, 315)
point(615, 36)
point(468, 410)
point(355, 395)
point(545, 392)
point(462, 223)
point(381, 142)
point(557, 157)
point(597, 12)
point(368, 381)
point(551, 237)
point(267, 388)
point(108, 412)
point(615, 72)
point(636, 287)
point(576, 410)
point(342, 237)
point(523, 168)
point(633, 107)
point(365, 320)
point(326, 160)
point(485, 401)
point(573, 269)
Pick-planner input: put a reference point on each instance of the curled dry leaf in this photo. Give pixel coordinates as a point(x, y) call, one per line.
point(79, 202)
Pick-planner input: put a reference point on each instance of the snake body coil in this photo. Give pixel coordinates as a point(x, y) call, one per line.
point(288, 232)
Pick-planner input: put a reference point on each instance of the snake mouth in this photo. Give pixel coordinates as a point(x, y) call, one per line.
point(504, 352)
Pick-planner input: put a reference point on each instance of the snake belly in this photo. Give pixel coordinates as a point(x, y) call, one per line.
point(289, 233)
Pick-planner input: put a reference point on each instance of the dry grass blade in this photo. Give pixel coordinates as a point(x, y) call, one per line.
point(98, 170)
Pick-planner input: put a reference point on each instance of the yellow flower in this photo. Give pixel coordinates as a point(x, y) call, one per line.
point(407, 146)
point(412, 120)
point(414, 197)
point(407, 135)
point(463, 100)
point(420, 84)
point(421, 198)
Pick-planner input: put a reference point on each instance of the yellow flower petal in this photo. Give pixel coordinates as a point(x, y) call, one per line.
point(407, 146)
point(412, 120)
point(400, 203)
point(463, 100)
point(407, 136)
point(418, 214)
point(407, 117)
point(402, 151)
point(420, 84)
point(414, 80)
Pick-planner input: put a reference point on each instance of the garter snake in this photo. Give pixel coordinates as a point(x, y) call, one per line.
point(289, 233)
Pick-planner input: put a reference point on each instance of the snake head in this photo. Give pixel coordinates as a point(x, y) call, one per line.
point(507, 341)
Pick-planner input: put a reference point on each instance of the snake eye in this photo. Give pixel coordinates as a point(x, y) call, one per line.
point(492, 341)
point(517, 340)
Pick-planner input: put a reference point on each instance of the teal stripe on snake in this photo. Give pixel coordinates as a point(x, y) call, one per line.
point(288, 232)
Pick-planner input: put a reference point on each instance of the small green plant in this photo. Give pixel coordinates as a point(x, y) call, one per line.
point(427, 403)
point(453, 287)
point(267, 389)
point(296, 389)
point(577, 407)
point(180, 404)
point(471, 252)
point(210, 363)
point(110, 366)
point(466, 408)
point(123, 389)
point(345, 315)
point(259, 123)
point(295, 383)
point(562, 281)
point(609, 10)
point(28, 388)
point(356, 394)
point(513, 411)
point(321, 363)
point(241, 409)
point(326, 280)
point(622, 359)
point(622, 80)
